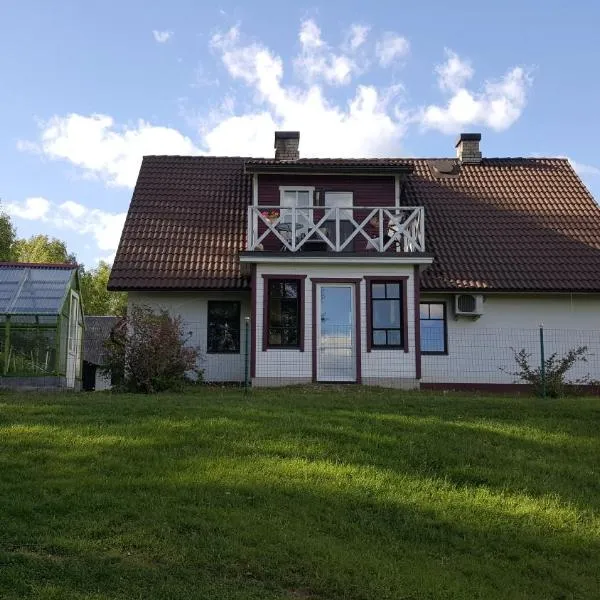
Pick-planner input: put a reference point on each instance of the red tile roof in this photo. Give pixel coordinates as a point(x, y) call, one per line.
point(518, 224)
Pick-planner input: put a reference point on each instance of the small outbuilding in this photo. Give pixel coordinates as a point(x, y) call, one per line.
point(97, 332)
point(41, 326)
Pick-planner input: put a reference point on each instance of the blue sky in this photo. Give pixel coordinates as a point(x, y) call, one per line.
point(87, 88)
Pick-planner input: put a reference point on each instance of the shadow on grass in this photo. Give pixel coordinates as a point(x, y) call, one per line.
point(257, 533)
point(355, 496)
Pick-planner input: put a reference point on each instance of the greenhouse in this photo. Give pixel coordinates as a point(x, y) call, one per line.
point(41, 326)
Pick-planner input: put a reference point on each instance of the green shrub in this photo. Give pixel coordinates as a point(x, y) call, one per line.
point(147, 352)
point(555, 370)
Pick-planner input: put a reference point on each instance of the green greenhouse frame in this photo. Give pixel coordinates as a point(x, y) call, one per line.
point(41, 326)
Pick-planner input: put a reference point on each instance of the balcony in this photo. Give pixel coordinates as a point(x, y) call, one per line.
point(336, 229)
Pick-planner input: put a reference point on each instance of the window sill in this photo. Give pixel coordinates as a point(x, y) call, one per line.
point(386, 348)
point(296, 348)
point(233, 352)
point(423, 353)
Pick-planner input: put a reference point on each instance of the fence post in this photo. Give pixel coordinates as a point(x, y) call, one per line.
point(542, 361)
point(247, 353)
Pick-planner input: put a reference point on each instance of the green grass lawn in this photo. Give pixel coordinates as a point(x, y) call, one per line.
point(313, 493)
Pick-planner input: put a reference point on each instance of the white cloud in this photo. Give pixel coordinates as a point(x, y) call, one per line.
point(104, 150)
point(583, 169)
point(31, 209)
point(318, 61)
point(369, 124)
point(357, 36)
point(453, 73)
point(391, 48)
point(365, 120)
point(162, 36)
point(103, 226)
point(498, 105)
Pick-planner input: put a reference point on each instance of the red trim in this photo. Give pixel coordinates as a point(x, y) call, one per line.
point(492, 388)
point(417, 290)
point(357, 341)
point(499, 388)
point(253, 323)
point(402, 280)
point(301, 295)
point(314, 332)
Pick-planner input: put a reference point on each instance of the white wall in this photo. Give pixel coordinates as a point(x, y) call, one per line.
point(102, 381)
point(479, 349)
point(276, 365)
point(192, 307)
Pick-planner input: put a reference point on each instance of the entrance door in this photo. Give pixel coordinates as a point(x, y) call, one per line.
point(336, 344)
point(73, 341)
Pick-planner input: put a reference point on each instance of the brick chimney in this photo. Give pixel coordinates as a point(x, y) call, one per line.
point(286, 145)
point(467, 148)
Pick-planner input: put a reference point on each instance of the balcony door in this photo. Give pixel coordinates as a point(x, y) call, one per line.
point(344, 201)
point(335, 332)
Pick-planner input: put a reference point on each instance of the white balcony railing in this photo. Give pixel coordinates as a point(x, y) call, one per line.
point(337, 229)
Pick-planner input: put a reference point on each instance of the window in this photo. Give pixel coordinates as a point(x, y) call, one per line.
point(284, 313)
point(223, 327)
point(299, 198)
point(433, 328)
point(386, 314)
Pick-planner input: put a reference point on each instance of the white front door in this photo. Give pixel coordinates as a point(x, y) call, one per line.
point(74, 340)
point(336, 327)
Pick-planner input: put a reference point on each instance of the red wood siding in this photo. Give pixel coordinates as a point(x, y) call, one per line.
point(367, 191)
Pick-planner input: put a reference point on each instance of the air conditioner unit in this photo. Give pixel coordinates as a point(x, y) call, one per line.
point(468, 305)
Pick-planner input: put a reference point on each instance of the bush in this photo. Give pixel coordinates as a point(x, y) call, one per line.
point(555, 371)
point(147, 352)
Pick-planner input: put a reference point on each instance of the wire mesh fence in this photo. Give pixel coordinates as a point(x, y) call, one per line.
point(463, 357)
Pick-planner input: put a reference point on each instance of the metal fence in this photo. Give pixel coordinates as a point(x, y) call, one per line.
point(469, 357)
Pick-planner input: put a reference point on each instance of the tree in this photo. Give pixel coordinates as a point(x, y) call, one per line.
point(41, 249)
point(97, 300)
point(7, 237)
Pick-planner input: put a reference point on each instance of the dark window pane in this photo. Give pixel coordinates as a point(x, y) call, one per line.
point(386, 313)
point(393, 337)
point(436, 311)
point(290, 289)
point(284, 313)
point(393, 290)
point(379, 338)
point(223, 334)
point(432, 336)
point(378, 290)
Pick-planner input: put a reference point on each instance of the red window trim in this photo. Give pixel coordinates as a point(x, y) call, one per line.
point(356, 282)
point(301, 296)
point(253, 325)
point(444, 320)
point(402, 280)
point(417, 309)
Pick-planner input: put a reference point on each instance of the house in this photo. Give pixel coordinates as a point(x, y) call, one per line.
point(97, 333)
point(41, 326)
point(394, 271)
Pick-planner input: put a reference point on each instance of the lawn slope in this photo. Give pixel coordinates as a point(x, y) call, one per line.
point(322, 494)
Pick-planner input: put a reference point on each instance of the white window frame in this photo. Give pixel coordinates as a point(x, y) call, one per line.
point(345, 211)
point(296, 188)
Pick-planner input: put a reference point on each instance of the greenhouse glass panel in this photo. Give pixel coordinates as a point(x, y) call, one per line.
point(30, 290)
